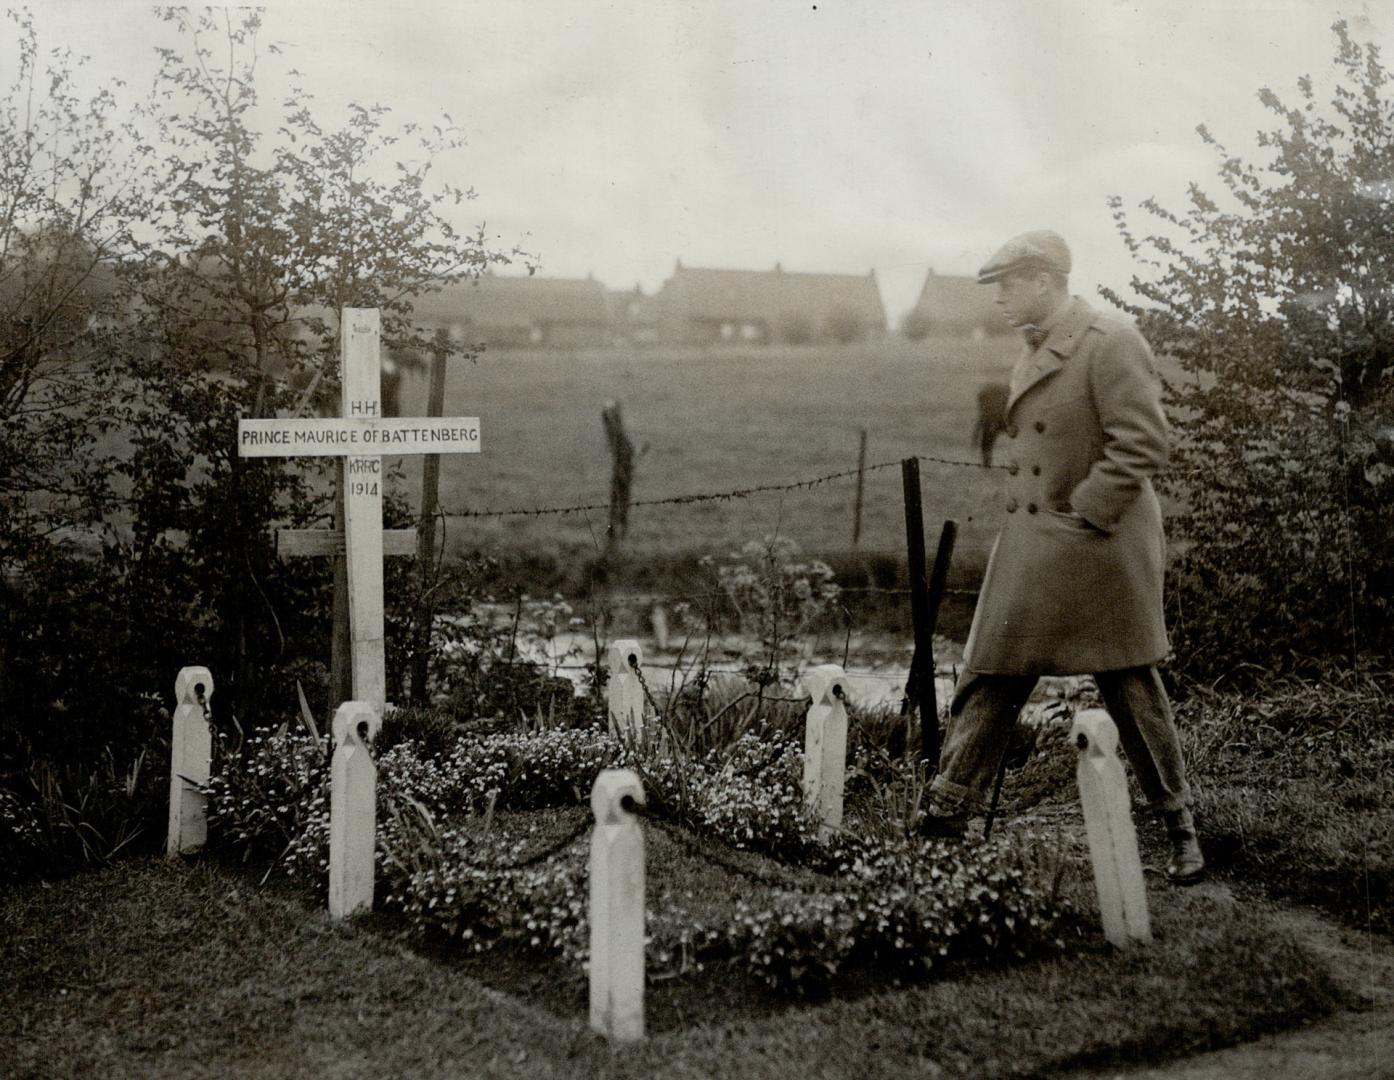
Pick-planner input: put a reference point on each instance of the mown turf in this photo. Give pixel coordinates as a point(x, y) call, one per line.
point(160, 969)
point(714, 421)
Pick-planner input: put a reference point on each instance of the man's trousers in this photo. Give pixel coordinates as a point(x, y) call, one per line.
point(985, 709)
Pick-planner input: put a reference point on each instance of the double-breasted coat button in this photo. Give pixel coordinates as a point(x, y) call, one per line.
point(1030, 508)
point(1011, 431)
point(1011, 506)
point(1035, 470)
point(1040, 425)
point(1013, 468)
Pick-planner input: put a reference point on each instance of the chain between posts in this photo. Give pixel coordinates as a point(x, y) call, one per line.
point(684, 838)
point(644, 685)
point(697, 847)
point(549, 852)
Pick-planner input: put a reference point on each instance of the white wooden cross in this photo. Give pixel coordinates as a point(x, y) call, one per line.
point(362, 435)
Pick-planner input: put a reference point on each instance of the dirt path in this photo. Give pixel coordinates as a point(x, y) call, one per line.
point(1353, 1045)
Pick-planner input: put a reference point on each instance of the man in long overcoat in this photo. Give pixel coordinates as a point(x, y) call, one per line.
point(1074, 582)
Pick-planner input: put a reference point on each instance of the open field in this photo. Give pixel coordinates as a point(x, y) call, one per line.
point(717, 420)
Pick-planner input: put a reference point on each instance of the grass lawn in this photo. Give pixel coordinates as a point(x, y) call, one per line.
point(1300, 792)
point(157, 968)
point(716, 420)
point(1294, 791)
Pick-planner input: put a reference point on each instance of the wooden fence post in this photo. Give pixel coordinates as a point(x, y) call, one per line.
point(626, 692)
point(938, 578)
point(617, 907)
point(622, 473)
point(919, 689)
point(825, 745)
point(1108, 820)
point(426, 534)
point(191, 751)
point(353, 782)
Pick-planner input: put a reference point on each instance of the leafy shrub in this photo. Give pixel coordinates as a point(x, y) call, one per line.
point(531, 772)
point(1276, 308)
point(60, 816)
point(777, 595)
point(21, 835)
point(482, 667)
point(750, 797)
point(268, 795)
point(431, 729)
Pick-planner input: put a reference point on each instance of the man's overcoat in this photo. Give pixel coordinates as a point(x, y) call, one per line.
point(1086, 432)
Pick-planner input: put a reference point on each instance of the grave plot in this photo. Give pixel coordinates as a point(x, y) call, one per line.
point(764, 885)
point(766, 940)
point(628, 912)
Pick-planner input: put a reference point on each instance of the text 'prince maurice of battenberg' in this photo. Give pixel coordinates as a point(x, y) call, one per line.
point(276, 437)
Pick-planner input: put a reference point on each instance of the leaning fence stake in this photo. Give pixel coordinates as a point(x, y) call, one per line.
point(617, 907)
point(1108, 820)
point(625, 690)
point(353, 782)
point(191, 748)
point(825, 745)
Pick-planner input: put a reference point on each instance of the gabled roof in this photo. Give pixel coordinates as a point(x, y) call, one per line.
point(629, 306)
point(952, 301)
point(771, 294)
point(493, 300)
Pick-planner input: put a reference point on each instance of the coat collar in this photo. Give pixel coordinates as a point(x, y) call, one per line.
point(1059, 346)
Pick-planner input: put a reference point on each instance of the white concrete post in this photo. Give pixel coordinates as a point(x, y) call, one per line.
point(1108, 820)
point(658, 619)
point(617, 908)
point(825, 745)
point(353, 782)
point(626, 693)
point(191, 749)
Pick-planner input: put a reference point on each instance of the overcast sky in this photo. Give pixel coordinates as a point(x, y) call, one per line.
point(614, 138)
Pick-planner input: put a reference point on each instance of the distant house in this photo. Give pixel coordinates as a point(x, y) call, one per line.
point(519, 311)
point(702, 306)
point(954, 307)
point(633, 316)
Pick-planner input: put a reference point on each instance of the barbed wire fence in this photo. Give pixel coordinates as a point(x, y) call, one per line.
point(717, 496)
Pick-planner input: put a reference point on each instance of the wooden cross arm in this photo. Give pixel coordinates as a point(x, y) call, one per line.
point(311, 543)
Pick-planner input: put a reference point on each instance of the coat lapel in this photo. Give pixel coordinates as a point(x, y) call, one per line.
point(1064, 339)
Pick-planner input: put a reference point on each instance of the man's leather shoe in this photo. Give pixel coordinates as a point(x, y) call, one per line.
point(1186, 864)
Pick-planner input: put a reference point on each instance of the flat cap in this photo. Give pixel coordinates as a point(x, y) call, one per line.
point(1040, 249)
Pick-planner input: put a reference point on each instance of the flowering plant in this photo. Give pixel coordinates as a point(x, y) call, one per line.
point(460, 856)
